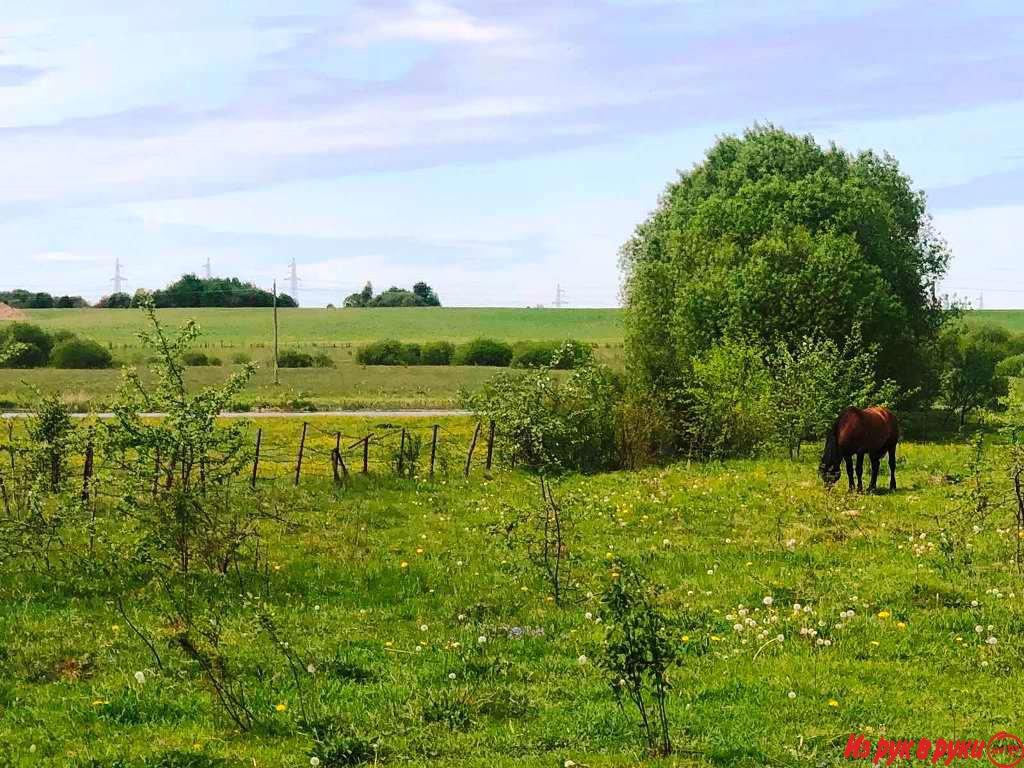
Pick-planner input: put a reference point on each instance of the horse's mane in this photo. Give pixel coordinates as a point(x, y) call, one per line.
point(830, 458)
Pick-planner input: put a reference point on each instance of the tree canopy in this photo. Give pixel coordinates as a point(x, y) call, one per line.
point(193, 291)
point(776, 239)
point(421, 295)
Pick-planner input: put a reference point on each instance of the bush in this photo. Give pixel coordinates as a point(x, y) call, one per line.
point(437, 353)
point(550, 423)
point(388, 352)
point(551, 354)
point(322, 360)
point(729, 401)
point(292, 358)
point(483, 352)
point(199, 359)
point(80, 353)
point(31, 345)
point(241, 358)
point(1011, 367)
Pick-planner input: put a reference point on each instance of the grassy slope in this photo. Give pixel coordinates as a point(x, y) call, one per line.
point(719, 536)
point(1011, 319)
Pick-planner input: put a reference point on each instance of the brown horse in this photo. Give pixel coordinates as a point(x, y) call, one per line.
point(872, 431)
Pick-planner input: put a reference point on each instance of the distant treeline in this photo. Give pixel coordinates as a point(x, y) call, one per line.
point(421, 295)
point(22, 299)
point(192, 291)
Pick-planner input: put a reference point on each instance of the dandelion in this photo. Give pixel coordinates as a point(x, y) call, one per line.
point(875, 643)
point(991, 640)
point(901, 624)
point(974, 603)
point(314, 761)
point(311, 669)
point(833, 703)
point(403, 565)
point(481, 640)
point(423, 627)
point(884, 614)
point(979, 629)
point(686, 638)
point(281, 706)
point(792, 694)
point(796, 607)
point(451, 675)
point(767, 600)
point(582, 660)
point(140, 677)
point(780, 638)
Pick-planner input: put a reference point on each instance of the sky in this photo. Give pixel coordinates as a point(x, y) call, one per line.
point(495, 149)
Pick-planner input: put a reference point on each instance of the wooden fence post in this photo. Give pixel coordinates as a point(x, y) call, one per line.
point(256, 459)
point(87, 471)
point(302, 446)
point(3, 490)
point(472, 447)
point(490, 445)
point(433, 449)
point(366, 453)
point(156, 472)
point(401, 453)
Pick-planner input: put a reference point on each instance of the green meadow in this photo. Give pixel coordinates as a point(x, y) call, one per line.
point(422, 624)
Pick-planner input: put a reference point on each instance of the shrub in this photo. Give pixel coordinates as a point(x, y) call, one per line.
point(1011, 367)
point(292, 358)
point(388, 352)
point(644, 431)
point(729, 401)
point(437, 353)
point(30, 345)
point(553, 354)
point(550, 423)
point(80, 353)
point(199, 359)
point(241, 358)
point(483, 352)
point(322, 360)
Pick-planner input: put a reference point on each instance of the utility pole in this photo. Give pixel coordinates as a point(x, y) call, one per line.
point(276, 378)
point(206, 269)
point(118, 279)
point(559, 296)
point(293, 277)
point(981, 300)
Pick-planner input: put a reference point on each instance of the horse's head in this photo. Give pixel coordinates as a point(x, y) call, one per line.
point(829, 467)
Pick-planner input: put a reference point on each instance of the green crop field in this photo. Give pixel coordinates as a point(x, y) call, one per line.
point(422, 626)
point(244, 327)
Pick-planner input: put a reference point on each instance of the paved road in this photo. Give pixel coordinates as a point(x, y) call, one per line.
point(429, 413)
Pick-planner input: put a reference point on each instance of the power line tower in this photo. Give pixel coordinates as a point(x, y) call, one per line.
point(207, 273)
point(118, 279)
point(560, 296)
point(293, 280)
point(981, 300)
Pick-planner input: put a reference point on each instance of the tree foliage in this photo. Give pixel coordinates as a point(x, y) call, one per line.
point(421, 295)
point(774, 238)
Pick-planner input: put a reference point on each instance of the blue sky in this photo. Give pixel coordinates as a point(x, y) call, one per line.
point(493, 149)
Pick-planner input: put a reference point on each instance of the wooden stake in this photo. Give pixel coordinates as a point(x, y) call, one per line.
point(302, 446)
point(87, 471)
point(256, 460)
point(490, 445)
point(433, 449)
point(401, 453)
point(341, 461)
point(366, 453)
point(472, 447)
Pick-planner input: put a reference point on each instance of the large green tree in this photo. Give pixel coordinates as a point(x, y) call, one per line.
point(776, 239)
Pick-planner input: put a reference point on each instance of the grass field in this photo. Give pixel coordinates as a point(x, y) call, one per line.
point(431, 634)
point(338, 333)
point(241, 328)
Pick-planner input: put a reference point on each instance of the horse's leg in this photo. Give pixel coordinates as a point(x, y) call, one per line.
point(860, 472)
point(892, 468)
point(876, 460)
point(849, 469)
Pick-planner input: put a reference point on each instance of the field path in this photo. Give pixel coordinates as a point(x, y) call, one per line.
point(370, 414)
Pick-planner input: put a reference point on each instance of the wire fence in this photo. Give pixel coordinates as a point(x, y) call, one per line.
point(312, 452)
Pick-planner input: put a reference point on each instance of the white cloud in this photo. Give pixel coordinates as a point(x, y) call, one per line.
point(63, 257)
point(425, 21)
